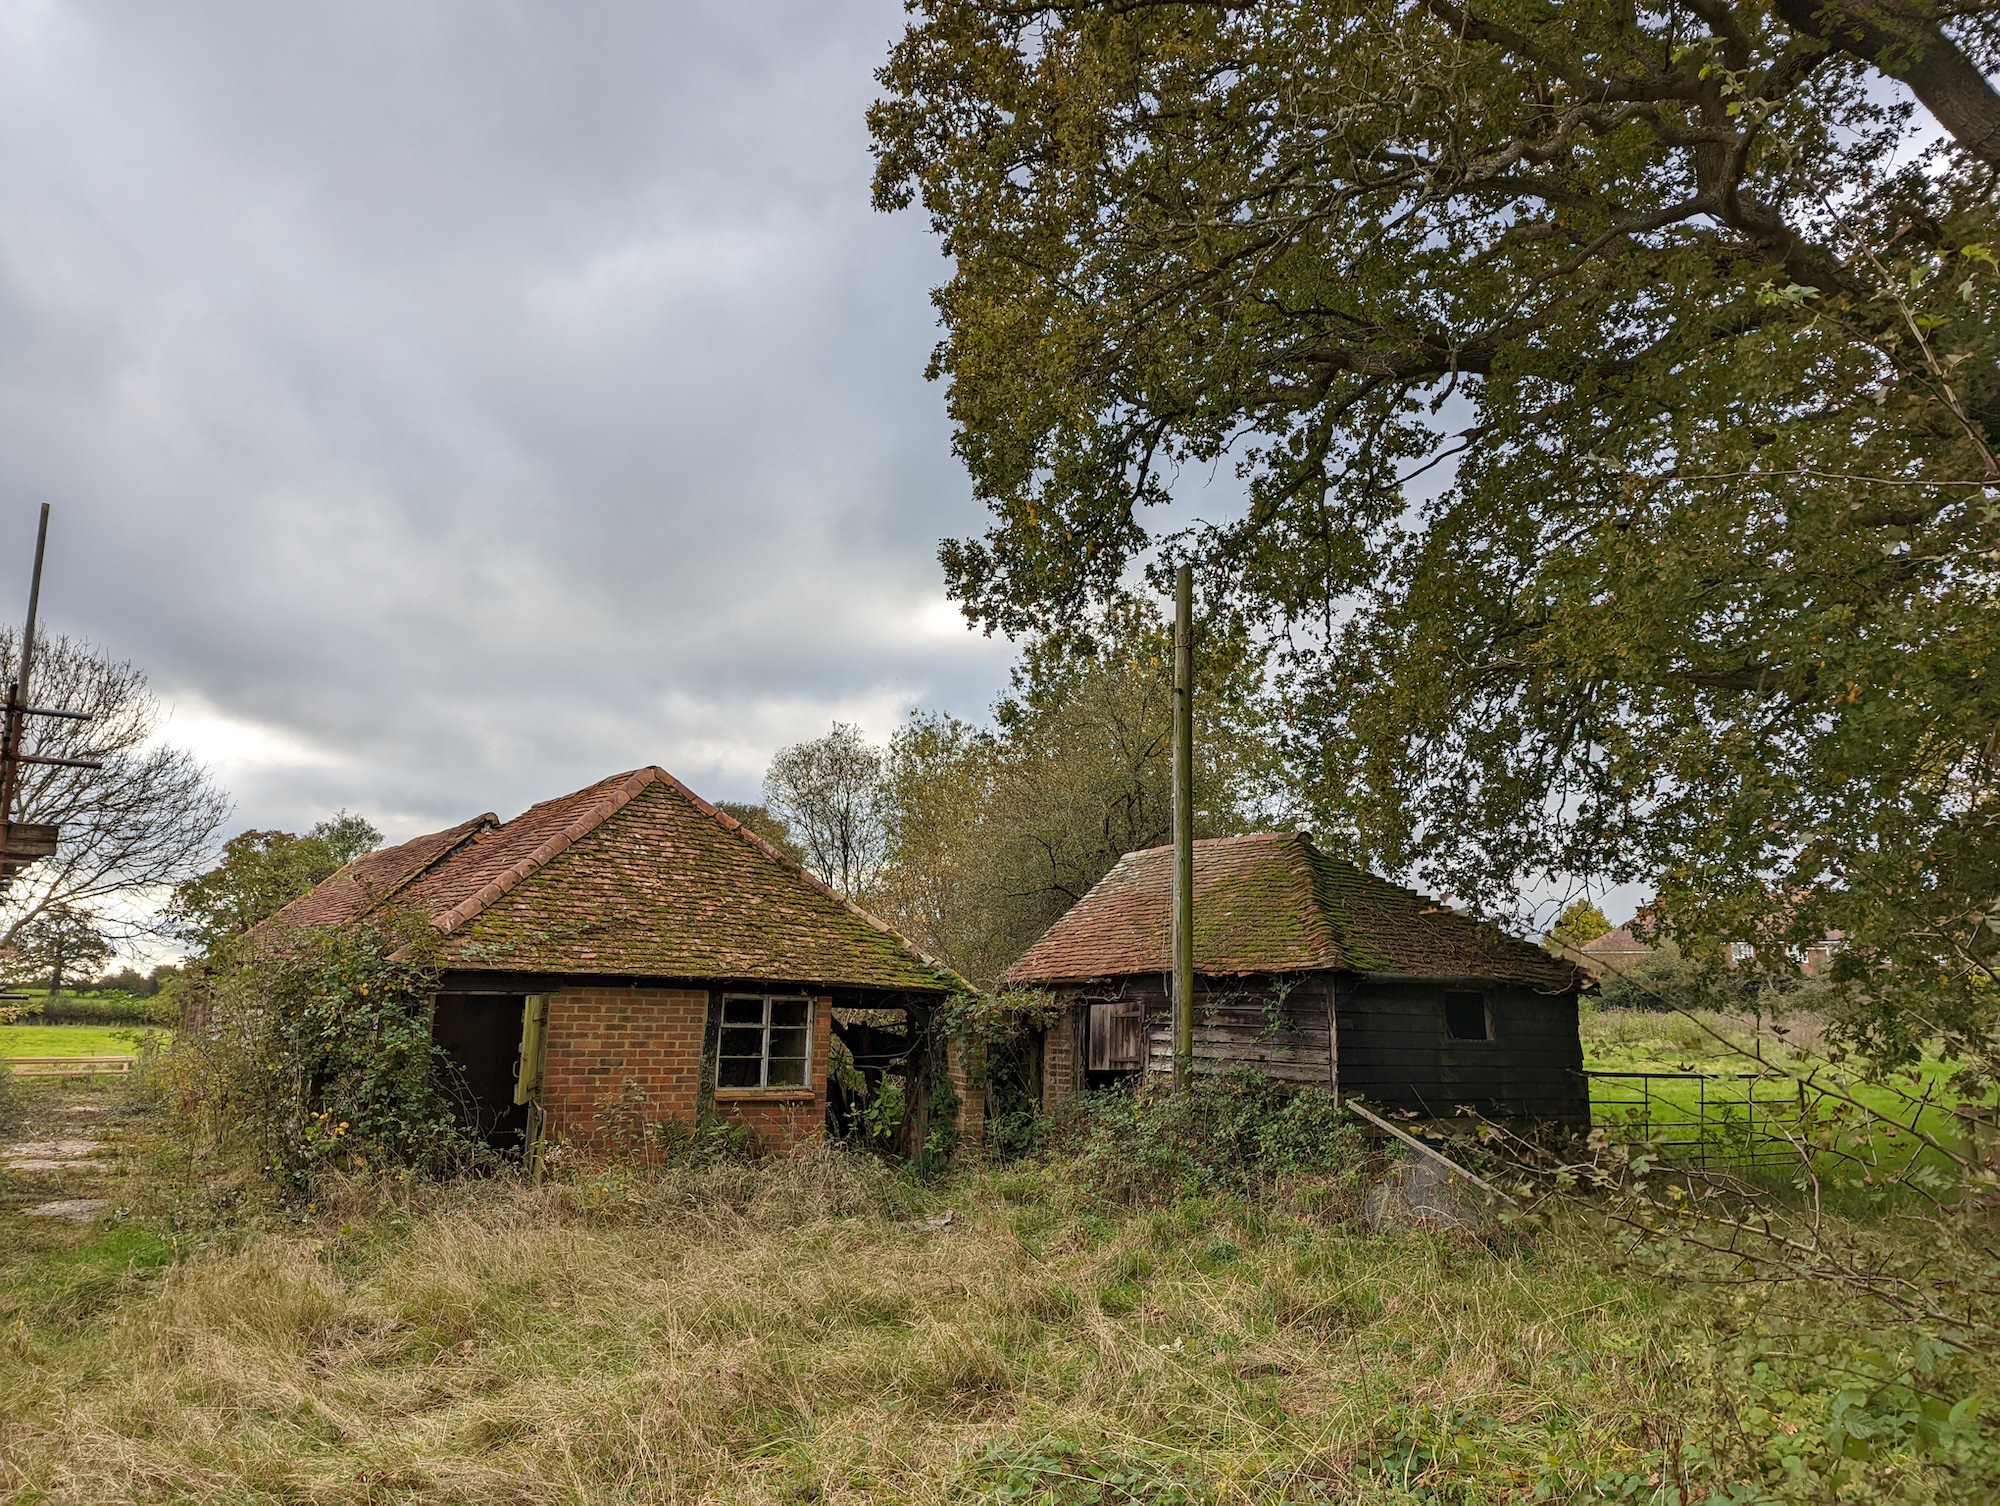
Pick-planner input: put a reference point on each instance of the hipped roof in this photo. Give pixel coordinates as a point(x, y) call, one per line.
point(1273, 903)
point(634, 876)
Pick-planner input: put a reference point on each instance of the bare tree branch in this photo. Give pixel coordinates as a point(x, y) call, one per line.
point(141, 823)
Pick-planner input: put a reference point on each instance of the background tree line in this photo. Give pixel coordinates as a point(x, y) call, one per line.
point(972, 839)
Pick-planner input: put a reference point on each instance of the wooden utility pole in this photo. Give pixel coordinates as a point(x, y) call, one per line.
point(1183, 920)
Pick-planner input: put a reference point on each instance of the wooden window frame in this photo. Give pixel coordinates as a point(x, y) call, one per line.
point(764, 1087)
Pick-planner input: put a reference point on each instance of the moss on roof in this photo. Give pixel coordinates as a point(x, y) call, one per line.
point(1273, 903)
point(634, 876)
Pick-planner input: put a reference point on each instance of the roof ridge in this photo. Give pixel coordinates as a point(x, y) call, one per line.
point(524, 868)
point(1241, 836)
point(478, 827)
point(1353, 952)
point(1334, 947)
point(356, 871)
point(799, 870)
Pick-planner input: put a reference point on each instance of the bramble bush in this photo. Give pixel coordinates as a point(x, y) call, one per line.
point(313, 1053)
point(1235, 1133)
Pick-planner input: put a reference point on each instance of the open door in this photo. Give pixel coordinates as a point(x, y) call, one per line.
point(481, 1034)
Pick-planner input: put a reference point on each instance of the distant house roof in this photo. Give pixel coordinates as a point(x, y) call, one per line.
point(1616, 942)
point(635, 876)
point(1273, 903)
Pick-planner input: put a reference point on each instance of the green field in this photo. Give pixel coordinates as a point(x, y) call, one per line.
point(1866, 1119)
point(72, 1040)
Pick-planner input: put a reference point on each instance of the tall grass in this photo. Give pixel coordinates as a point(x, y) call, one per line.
point(818, 1330)
point(826, 1328)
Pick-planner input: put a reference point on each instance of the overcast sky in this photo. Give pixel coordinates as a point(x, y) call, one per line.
point(449, 404)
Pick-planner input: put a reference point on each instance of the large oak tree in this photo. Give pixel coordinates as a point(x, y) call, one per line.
point(1613, 391)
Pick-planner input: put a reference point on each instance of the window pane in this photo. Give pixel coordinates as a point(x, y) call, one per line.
point(788, 1011)
point(790, 1044)
point(742, 1011)
point(737, 1042)
point(788, 1074)
point(738, 1074)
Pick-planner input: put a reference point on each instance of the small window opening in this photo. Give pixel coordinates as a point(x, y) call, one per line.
point(1465, 1017)
point(766, 1043)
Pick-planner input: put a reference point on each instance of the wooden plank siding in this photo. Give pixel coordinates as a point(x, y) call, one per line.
point(1395, 1051)
point(1281, 1029)
point(1394, 1046)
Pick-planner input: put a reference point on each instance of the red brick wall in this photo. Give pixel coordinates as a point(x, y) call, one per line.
point(600, 1039)
point(967, 1063)
point(1059, 1058)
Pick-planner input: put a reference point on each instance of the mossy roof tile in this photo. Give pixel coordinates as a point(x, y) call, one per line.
point(1273, 903)
point(354, 890)
point(638, 876)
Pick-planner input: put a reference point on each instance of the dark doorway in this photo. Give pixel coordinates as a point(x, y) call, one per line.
point(481, 1035)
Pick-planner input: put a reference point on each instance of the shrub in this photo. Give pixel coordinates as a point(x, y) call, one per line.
point(1240, 1132)
point(316, 1055)
point(1668, 979)
point(111, 1006)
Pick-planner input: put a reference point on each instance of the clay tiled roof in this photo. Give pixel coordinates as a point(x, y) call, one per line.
point(637, 876)
point(1272, 903)
point(374, 876)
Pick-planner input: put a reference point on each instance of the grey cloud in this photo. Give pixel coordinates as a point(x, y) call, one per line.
point(449, 403)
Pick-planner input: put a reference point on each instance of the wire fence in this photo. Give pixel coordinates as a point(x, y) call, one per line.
point(1703, 1118)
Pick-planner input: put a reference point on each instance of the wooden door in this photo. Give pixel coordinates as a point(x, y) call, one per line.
point(1118, 1036)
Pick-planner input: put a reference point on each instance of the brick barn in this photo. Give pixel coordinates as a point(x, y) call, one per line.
point(1313, 970)
point(631, 939)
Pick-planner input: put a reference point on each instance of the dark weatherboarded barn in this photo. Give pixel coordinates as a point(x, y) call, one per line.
point(679, 961)
point(1315, 971)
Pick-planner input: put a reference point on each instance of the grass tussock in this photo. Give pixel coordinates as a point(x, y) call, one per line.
point(819, 1329)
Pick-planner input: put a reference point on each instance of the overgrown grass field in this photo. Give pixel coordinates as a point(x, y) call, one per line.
point(818, 1330)
point(1163, 1306)
point(827, 1329)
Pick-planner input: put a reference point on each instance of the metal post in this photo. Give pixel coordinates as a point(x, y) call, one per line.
point(1183, 926)
point(17, 693)
point(1701, 1121)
